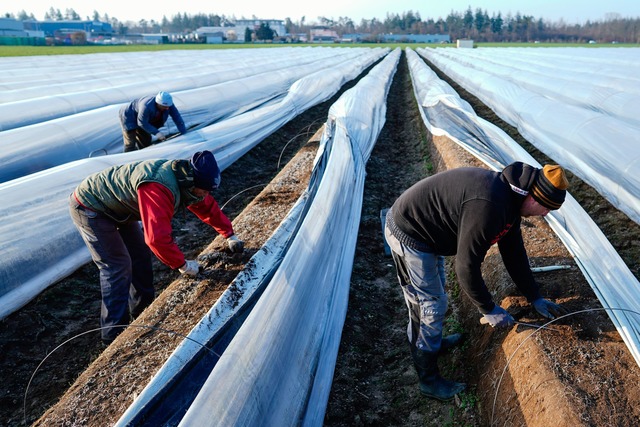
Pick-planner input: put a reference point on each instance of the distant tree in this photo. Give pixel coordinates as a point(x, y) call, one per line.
point(408, 20)
point(196, 21)
point(289, 26)
point(439, 27)
point(455, 25)
point(121, 29)
point(468, 22)
point(23, 16)
point(477, 25)
point(393, 24)
point(346, 25)
point(326, 22)
point(71, 15)
point(178, 23)
point(481, 21)
point(53, 15)
point(264, 32)
point(154, 27)
point(247, 35)
point(496, 24)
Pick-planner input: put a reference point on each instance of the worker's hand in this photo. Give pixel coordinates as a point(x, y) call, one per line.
point(161, 136)
point(235, 245)
point(190, 267)
point(549, 309)
point(498, 317)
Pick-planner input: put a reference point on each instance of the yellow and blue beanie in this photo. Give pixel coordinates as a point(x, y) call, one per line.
point(550, 187)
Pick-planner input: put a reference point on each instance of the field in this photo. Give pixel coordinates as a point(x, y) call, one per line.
point(581, 374)
point(65, 50)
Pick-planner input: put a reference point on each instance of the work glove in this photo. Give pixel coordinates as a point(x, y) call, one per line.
point(549, 309)
point(190, 268)
point(235, 245)
point(498, 317)
point(161, 136)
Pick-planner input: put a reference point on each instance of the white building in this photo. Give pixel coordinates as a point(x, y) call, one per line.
point(276, 25)
point(323, 35)
point(12, 27)
point(237, 32)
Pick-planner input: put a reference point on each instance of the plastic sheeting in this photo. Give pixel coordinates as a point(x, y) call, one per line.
point(39, 244)
point(86, 82)
point(172, 389)
point(576, 105)
point(97, 132)
point(277, 371)
point(616, 287)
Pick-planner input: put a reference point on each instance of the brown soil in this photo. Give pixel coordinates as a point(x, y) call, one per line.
point(579, 374)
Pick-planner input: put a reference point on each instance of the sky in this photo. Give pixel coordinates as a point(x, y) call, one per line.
point(570, 11)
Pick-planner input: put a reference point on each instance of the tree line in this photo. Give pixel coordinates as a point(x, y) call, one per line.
point(474, 24)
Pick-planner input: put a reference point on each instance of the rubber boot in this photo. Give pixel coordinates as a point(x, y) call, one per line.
point(451, 341)
point(431, 383)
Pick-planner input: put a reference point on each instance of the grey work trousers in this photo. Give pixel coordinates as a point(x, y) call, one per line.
point(422, 277)
point(124, 262)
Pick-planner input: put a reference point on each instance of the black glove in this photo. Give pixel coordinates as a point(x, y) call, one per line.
point(498, 317)
point(549, 309)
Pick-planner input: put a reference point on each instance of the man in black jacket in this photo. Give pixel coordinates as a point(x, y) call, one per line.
point(463, 212)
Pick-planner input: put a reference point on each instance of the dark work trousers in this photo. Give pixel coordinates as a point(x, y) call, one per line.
point(136, 139)
point(124, 261)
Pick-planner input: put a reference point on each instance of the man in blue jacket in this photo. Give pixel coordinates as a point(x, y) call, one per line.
point(463, 212)
point(142, 118)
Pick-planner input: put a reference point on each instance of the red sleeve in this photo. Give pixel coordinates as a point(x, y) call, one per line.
point(156, 210)
point(210, 213)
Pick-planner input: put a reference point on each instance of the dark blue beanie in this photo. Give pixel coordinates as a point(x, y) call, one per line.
point(206, 173)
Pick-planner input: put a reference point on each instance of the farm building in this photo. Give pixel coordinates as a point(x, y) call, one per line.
point(236, 33)
point(93, 29)
point(12, 27)
point(465, 44)
point(12, 32)
point(323, 35)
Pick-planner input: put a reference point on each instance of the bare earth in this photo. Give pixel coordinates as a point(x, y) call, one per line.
point(581, 373)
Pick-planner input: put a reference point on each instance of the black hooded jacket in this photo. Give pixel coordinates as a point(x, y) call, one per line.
point(463, 212)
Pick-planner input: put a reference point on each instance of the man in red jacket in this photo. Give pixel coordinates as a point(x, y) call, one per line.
point(463, 212)
point(109, 207)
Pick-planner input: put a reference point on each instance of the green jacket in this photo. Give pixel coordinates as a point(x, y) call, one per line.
point(113, 191)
